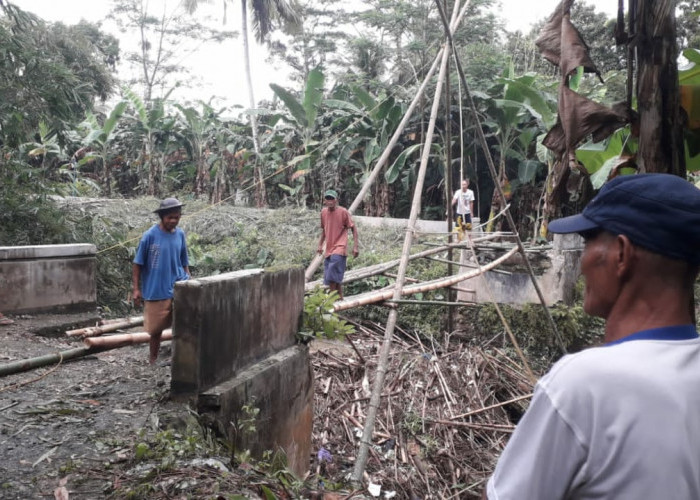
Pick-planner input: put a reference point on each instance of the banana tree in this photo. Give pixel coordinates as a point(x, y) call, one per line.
point(517, 111)
point(617, 154)
point(367, 124)
point(155, 133)
point(200, 129)
point(302, 116)
point(98, 140)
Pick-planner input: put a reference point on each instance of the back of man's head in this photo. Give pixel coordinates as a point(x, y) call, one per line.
point(658, 212)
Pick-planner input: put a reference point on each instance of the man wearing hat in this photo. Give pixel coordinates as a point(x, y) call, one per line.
point(160, 261)
point(335, 222)
point(621, 420)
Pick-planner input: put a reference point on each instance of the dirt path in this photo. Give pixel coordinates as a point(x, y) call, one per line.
point(83, 413)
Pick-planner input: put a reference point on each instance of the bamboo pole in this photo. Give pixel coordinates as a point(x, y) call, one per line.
point(365, 440)
point(426, 286)
point(114, 341)
point(428, 303)
point(23, 365)
point(383, 158)
point(93, 331)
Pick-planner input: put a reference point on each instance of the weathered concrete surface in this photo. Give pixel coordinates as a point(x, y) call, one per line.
point(225, 323)
point(556, 269)
point(422, 226)
point(234, 351)
point(268, 406)
point(43, 278)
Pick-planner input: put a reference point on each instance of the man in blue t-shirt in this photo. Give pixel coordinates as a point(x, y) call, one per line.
point(160, 261)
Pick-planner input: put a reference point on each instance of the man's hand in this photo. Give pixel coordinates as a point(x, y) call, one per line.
point(320, 250)
point(355, 252)
point(136, 297)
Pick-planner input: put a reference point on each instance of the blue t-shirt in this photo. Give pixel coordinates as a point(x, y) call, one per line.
point(163, 258)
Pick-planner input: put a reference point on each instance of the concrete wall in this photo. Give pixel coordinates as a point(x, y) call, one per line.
point(44, 278)
point(557, 270)
point(235, 347)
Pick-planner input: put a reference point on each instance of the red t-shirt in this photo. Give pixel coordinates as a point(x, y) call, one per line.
point(335, 225)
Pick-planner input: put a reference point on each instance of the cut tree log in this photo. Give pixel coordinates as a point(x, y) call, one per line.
point(122, 339)
point(92, 331)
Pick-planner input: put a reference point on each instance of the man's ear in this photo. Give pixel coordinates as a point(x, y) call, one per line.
point(624, 255)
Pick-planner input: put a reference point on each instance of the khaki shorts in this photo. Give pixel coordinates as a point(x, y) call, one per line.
point(157, 315)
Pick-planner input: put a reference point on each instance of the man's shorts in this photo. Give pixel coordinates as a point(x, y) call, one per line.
point(334, 269)
point(465, 218)
point(157, 315)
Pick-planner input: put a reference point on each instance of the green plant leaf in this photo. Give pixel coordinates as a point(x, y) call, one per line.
point(395, 169)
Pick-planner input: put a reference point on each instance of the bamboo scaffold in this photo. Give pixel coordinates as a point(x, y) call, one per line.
point(365, 440)
point(497, 185)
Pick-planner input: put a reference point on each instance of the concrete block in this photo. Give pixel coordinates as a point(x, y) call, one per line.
point(281, 388)
point(42, 278)
point(223, 324)
point(556, 269)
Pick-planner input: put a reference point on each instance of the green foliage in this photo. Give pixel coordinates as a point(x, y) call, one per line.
point(530, 326)
point(319, 319)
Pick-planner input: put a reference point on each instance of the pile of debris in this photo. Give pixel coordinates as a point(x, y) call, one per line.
point(446, 412)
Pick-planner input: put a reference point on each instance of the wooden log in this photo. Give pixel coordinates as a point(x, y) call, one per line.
point(92, 331)
point(114, 341)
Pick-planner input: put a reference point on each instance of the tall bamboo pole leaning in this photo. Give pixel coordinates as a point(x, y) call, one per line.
point(497, 184)
point(382, 159)
point(365, 441)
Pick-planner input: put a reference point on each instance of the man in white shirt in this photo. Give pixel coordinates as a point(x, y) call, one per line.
point(621, 421)
point(464, 200)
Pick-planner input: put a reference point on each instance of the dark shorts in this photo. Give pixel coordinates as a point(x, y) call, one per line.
point(334, 269)
point(466, 219)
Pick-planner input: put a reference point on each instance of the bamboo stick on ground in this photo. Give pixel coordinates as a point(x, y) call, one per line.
point(93, 331)
point(114, 341)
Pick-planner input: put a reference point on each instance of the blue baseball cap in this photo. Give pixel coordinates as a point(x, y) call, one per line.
point(659, 212)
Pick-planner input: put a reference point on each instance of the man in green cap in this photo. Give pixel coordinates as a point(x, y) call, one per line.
point(335, 222)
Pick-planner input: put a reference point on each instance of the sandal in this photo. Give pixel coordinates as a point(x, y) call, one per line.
point(5, 321)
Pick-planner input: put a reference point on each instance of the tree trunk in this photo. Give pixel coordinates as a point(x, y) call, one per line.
point(661, 147)
point(260, 194)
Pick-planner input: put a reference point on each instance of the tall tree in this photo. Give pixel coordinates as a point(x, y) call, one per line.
point(267, 15)
point(49, 73)
point(164, 39)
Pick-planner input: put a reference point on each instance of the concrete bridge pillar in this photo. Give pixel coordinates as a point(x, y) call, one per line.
point(235, 356)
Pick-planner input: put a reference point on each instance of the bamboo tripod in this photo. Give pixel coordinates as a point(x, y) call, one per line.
point(395, 296)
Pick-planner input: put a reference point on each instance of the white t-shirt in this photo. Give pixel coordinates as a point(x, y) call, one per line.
point(463, 200)
point(614, 422)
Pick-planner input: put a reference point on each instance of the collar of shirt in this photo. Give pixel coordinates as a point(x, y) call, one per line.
point(680, 332)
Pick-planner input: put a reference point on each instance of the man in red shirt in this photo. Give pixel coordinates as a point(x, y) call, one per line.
point(335, 222)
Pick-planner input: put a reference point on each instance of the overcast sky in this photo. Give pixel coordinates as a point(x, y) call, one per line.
point(220, 67)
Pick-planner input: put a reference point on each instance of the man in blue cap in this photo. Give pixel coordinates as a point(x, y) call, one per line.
point(161, 260)
point(621, 420)
point(335, 223)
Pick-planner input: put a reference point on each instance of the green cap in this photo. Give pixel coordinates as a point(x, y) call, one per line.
point(331, 192)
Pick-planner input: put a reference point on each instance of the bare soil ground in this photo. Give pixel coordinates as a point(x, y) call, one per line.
point(56, 418)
